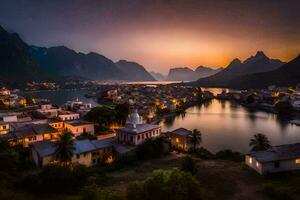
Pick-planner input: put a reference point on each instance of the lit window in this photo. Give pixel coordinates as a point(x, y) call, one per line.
point(177, 140)
point(297, 161)
point(250, 160)
point(257, 164)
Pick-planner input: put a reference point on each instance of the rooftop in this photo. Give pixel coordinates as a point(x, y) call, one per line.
point(182, 131)
point(140, 128)
point(46, 148)
point(282, 152)
point(78, 122)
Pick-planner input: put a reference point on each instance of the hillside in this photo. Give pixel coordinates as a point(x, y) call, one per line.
point(286, 75)
point(17, 65)
point(187, 74)
point(133, 71)
point(254, 64)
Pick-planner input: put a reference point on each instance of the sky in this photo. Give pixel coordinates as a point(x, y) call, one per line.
point(160, 34)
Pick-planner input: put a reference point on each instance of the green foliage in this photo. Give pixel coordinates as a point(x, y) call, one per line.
point(250, 99)
point(122, 112)
point(2, 105)
point(228, 154)
point(166, 184)
point(275, 192)
point(259, 142)
point(94, 193)
point(195, 139)
point(284, 108)
point(188, 164)
point(4, 145)
point(151, 148)
point(56, 179)
point(64, 152)
point(102, 115)
point(203, 153)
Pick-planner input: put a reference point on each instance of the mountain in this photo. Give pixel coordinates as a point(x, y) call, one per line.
point(202, 71)
point(66, 62)
point(254, 64)
point(180, 74)
point(187, 74)
point(158, 76)
point(17, 65)
point(287, 75)
point(133, 71)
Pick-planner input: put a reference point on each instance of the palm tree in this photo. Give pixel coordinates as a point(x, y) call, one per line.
point(195, 139)
point(259, 142)
point(64, 152)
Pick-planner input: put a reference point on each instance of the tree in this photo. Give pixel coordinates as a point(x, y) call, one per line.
point(195, 139)
point(2, 105)
point(65, 148)
point(166, 184)
point(284, 108)
point(188, 164)
point(122, 112)
point(102, 115)
point(151, 148)
point(260, 142)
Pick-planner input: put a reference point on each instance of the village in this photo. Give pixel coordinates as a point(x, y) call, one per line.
point(74, 134)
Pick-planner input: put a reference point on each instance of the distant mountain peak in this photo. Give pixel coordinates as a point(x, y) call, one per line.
point(260, 54)
point(235, 61)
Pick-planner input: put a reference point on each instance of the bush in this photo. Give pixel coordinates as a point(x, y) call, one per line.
point(274, 192)
point(203, 153)
point(166, 184)
point(188, 164)
point(228, 154)
point(284, 108)
point(56, 179)
point(151, 148)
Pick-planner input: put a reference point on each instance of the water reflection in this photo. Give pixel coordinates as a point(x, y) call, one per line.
point(229, 125)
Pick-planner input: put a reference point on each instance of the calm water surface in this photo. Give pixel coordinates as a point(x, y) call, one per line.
point(59, 97)
point(223, 124)
point(228, 125)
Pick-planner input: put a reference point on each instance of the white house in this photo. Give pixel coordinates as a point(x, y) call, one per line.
point(136, 131)
point(77, 127)
point(48, 110)
point(68, 115)
point(276, 159)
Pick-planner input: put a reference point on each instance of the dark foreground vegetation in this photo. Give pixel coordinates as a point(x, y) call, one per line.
point(196, 175)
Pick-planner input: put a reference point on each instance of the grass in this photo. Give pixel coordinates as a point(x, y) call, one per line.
point(220, 179)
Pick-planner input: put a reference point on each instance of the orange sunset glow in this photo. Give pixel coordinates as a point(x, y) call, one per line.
point(164, 34)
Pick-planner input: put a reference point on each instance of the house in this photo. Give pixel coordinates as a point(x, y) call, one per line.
point(276, 159)
point(48, 110)
point(77, 127)
point(86, 152)
point(31, 133)
point(4, 128)
point(136, 131)
point(179, 139)
point(10, 118)
point(68, 115)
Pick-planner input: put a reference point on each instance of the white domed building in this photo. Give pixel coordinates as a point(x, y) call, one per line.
point(136, 131)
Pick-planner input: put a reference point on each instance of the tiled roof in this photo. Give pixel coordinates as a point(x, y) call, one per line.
point(282, 152)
